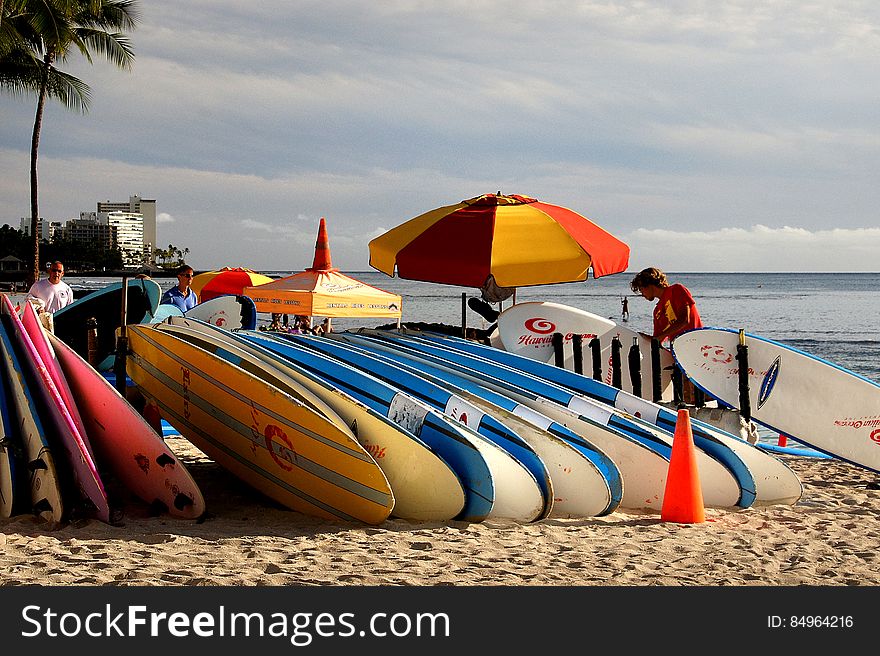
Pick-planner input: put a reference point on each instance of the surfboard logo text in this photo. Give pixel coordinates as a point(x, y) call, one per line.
point(869, 422)
point(378, 452)
point(716, 354)
point(274, 435)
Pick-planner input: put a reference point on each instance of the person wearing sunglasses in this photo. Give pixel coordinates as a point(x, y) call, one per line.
point(51, 294)
point(181, 295)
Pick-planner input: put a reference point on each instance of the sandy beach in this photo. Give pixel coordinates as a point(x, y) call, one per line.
point(828, 538)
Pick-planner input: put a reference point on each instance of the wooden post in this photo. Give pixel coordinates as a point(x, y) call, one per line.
point(616, 375)
point(577, 345)
point(596, 352)
point(635, 367)
point(742, 358)
point(558, 349)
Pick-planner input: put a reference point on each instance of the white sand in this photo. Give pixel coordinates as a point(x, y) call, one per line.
point(829, 537)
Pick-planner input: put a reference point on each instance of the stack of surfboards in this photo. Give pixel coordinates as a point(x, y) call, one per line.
point(66, 429)
point(363, 425)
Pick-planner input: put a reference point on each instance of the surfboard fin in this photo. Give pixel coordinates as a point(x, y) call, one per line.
point(37, 464)
point(182, 501)
point(164, 459)
point(42, 506)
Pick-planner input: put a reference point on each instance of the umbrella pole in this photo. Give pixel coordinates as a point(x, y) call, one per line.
point(464, 314)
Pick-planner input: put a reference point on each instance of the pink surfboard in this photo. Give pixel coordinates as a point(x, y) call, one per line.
point(126, 443)
point(34, 328)
point(83, 465)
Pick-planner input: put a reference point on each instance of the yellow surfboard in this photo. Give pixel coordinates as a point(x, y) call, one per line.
point(263, 435)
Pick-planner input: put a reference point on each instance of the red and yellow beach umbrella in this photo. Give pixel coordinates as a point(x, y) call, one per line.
point(521, 241)
point(228, 280)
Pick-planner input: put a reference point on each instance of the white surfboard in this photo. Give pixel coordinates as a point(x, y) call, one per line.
point(527, 329)
point(815, 402)
point(230, 312)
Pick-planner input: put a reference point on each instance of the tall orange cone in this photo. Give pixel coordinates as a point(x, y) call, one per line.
point(683, 496)
point(322, 260)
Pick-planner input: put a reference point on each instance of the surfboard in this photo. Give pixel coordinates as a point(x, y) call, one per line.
point(234, 353)
point(527, 329)
point(57, 416)
point(38, 335)
point(768, 479)
point(469, 458)
point(10, 461)
point(534, 489)
point(640, 451)
point(164, 311)
point(259, 433)
point(125, 443)
point(105, 306)
point(229, 311)
point(586, 482)
point(818, 403)
point(425, 487)
point(43, 484)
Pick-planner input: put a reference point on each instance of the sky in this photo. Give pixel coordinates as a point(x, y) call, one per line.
point(735, 136)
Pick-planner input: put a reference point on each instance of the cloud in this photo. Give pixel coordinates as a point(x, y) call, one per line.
point(164, 217)
point(248, 124)
point(757, 248)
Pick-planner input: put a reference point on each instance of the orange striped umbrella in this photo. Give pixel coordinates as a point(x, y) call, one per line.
point(228, 280)
point(518, 240)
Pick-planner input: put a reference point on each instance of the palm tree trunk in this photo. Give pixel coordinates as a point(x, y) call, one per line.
point(35, 146)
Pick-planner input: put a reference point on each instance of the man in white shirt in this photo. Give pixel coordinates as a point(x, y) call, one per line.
point(51, 295)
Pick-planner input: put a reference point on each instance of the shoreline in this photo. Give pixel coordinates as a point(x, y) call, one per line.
point(828, 538)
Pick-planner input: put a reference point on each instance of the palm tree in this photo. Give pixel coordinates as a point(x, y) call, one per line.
point(46, 32)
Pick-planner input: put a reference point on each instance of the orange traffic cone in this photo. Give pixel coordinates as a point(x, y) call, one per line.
point(683, 496)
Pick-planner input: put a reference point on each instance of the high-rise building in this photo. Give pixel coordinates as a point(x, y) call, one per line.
point(147, 209)
point(128, 235)
point(87, 228)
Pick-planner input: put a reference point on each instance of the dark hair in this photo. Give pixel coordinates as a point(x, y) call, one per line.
point(183, 268)
point(647, 277)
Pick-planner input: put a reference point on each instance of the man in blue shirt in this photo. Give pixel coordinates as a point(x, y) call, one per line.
point(181, 295)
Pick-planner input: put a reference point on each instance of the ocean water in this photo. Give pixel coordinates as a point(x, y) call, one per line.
point(835, 316)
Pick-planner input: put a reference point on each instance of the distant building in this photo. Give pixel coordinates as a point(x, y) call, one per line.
point(130, 226)
point(128, 234)
point(88, 229)
point(147, 209)
point(47, 229)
